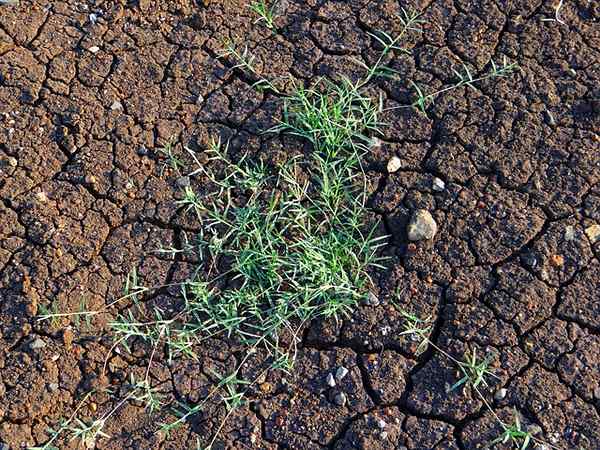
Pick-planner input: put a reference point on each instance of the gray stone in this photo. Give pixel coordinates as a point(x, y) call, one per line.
point(422, 226)
point(381, 423)
point(183, 181)
point(340, 399)
point(549, 118)
point(53, 387)
point(142, 151)
point(371, 300)
point(37, 344)
point(340, 373)
point(500, 394)
point(438, 184)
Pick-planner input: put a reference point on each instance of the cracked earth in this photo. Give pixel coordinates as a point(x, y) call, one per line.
point(514, 267)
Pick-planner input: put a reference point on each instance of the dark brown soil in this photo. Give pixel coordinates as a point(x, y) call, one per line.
point(83, 201)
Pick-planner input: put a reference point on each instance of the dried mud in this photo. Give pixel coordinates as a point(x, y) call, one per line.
point(83, 200)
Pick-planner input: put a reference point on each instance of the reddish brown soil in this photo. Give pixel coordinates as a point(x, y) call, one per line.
point(82, 201)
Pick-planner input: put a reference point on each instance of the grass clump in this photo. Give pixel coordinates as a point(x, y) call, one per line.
point(293, 243)
point(332, 116)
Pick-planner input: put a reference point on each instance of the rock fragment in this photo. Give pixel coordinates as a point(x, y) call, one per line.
point(37, 344)
point(422, 226)
point(393, 164)
point(438, 184)
point(593, 233)
point(183, 181)
point(500, 394)
point(116, 106)
point(340, 399)
point(330, 380)
point(569, 233)
point(371, 300)
point(340, 373)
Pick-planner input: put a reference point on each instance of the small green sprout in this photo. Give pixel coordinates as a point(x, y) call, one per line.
point(474, 371)
point(265, 12)
point(515, 435)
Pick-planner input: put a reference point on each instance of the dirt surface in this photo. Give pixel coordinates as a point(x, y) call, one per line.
point(85, 103)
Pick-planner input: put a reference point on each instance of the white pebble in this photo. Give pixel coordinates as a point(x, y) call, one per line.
point(330, 380)
point(393, 164)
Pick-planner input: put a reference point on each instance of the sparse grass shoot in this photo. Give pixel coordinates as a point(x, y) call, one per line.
point(465, 78)
point(266, 13)
point(515, 435)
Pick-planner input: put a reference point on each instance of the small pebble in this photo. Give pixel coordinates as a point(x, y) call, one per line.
point(593, 233)
point(371, 300)
point(183, 181)
point(117, 105)
point(41, 196)
point(53, 387)
point(421, 226)
point(381, 423)
point(93, 18)
point(393, 164)
point(94, 49)
point(340, 399)
point(569, 233)
point(37, 343)
point(142, 151)
point(12, 162)
point(330, 380)
point(549, 118)
point(383, 435)
point(534, 429)
point(438, 184)
point(500, 394)
point(340, 373)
